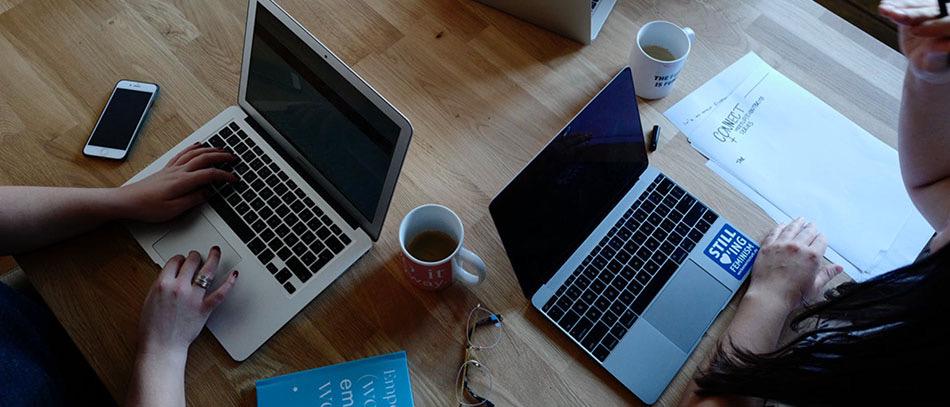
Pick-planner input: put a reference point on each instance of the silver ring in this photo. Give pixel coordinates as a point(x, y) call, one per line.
point(203, 281)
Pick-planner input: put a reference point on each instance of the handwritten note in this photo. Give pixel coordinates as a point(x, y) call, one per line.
point(804, 158)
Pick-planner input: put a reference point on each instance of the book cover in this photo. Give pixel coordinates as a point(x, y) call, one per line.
point(376, 381)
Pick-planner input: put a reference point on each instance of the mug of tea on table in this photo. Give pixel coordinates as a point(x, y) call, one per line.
point(431, 239)
point(658, 57)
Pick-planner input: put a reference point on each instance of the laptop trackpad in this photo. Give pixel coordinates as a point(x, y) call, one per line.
point(193, 232)
point(687, 305)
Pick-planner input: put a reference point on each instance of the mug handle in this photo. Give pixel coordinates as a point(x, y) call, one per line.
point(465, 276)
point(690, 34)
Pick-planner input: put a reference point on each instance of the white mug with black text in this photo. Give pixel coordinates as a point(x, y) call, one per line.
point(658, 57)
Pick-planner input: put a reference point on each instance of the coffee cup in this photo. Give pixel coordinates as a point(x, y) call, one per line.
point(431, 238)
point(658, 57)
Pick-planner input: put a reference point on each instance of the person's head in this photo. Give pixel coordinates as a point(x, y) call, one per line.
point(883, 341)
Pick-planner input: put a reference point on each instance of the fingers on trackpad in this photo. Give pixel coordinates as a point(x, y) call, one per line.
point(194, 232)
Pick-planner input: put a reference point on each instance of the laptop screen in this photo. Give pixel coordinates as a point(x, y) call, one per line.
point(548, 210)
point(334, 127)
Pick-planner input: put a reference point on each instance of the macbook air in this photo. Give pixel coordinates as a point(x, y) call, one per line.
point(319, 154)
point(625, 262)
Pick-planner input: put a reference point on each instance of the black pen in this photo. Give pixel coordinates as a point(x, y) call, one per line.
point(656, 138)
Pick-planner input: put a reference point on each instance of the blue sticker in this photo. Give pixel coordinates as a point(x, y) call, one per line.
point(732, 251)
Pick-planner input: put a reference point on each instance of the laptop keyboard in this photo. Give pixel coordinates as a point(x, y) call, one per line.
point(612, 287)
point(284, 228)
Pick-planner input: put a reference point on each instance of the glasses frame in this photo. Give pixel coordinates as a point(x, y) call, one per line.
point(463, 391)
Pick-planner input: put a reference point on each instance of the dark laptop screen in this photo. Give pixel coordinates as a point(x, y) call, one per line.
point(329, 122)
point(545, 213)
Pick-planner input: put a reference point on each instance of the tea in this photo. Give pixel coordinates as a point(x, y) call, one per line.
point(658, 52)
point(432, 246)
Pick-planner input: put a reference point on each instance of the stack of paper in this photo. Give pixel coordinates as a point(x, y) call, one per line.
point(376, 381)
point(796, 156)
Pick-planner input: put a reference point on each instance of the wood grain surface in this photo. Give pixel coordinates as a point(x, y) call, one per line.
point(485, 92)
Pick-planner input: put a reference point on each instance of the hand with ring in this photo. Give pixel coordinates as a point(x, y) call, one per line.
point(180, 302)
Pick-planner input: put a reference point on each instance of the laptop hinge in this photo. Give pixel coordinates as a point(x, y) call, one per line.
point(349, 219)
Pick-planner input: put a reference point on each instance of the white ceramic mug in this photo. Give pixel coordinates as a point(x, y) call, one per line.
point(652, 77)
point(436, 275)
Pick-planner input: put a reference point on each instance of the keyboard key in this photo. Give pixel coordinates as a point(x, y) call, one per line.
point(682, 229)
point(710, 217)
point(685, 204)
point(555, 313)
point(299, 270)
point(282, 230)
point(299, 249)
point(266, 256)
point(283, 275)
point(666, 247)
point(695, 236)
point(323, 233)
point(345, 239)
point(275, 244)
point(271, 268)
point(618, 331)
point(611, 292)
point(234, 127)
point(643, 277)
point(308, 258)
point(609, 318)
point(679, 255)
point(622, 256)
point(594, 336)
point(601, 353)
point(627, 319)
point(256, 245)
point(655, 219)
point(580, 307)
point(580, 329)
point(322, 259)
point(674, 238)
point(694, 214)
point(627, 272)
point(618, 307)
point(614, 266)
point(568, 321)
point(677, 192)
point(284, 251)
point(593, 313)
point(602, 303)
point(291, 239)
point(334, 244)
point(589, 296)
point(651, 244)
point(626, 298)
point(703, 226)
point(296, 205)
point(651, 267)
point(665, 186)
point(597, 286)
point(610, 341)
point(299, 227)
point(635, 287)
point(289, 287)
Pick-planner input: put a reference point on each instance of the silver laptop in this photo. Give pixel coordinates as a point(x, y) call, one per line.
point(623, 260)
point(580, 20)
point(319, 154)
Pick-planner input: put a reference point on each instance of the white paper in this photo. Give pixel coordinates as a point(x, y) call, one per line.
point(796, 156)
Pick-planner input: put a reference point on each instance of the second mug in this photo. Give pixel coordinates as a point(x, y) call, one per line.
point(431, 238)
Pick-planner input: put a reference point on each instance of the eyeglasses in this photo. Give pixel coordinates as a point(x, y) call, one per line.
point(483, 330)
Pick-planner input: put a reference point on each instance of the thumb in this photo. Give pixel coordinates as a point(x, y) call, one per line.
point(214, 299)
point(825, 275)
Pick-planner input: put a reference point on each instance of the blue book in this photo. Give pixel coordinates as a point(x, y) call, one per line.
point(377, 381)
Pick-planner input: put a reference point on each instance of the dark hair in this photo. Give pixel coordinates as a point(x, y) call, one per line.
point(883, 341)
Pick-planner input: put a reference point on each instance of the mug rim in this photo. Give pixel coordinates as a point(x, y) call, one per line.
point(689, 44)
point(402, 233)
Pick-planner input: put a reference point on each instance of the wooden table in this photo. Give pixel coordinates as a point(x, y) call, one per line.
point(484, 91)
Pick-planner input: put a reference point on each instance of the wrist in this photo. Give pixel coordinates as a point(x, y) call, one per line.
point(118, 203)
point(163, 358)
point(771, 301)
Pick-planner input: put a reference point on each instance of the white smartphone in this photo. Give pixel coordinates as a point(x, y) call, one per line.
point(121, 120)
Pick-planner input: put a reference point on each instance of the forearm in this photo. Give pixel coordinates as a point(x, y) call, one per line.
point(31, 217)
point(158, 380)
point(756, 327)
point(924, 142)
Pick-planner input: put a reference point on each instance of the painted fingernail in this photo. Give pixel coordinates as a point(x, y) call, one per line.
point(235, 273)
point(216, 248)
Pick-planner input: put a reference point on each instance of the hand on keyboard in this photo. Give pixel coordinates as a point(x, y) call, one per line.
point(177, 187)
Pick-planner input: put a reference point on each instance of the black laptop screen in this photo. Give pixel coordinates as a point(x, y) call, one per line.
point(548, 210)
point(328, 121)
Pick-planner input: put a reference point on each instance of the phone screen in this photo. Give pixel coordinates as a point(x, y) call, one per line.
point(118, 122)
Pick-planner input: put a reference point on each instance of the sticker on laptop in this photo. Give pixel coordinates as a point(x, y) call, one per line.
point(732, 251)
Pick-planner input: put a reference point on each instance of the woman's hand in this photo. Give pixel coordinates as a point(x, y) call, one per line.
point(924, 38)
point(789, 267)
point(177, 187)
point(175, 312)
point(176, 309)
